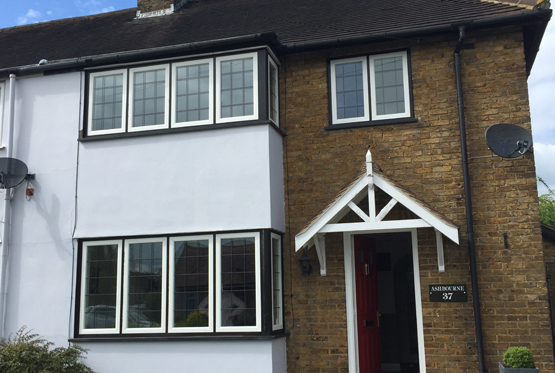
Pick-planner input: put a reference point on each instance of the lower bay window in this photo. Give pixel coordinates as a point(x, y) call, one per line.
point(203, 284)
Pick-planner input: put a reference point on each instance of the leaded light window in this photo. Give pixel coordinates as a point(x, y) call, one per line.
point(237, 87)
point(365, 89)
point(273, 94)
point(277, 283)
point(107, 98)
point(149, 98)
point(192, 93)
point(2, 89)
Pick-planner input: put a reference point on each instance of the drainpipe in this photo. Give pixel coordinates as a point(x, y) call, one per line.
point(468, 206)
point(4, 246)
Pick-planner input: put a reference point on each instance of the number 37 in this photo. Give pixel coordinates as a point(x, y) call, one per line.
point(447, 296)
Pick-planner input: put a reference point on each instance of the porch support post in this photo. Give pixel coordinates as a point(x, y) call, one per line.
point(370, 180)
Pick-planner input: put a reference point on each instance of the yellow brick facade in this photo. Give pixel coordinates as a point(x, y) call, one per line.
point(425, 157)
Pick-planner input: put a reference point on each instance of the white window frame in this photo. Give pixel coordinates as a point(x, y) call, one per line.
point(132, 72)
point(210, 119)
point(124, 103)
point(2, 95)
point(407, 112)
point(279, 325)
point(162, 328)
point(366, 116)
point(255, 69)
point(258, 326)
point(116, 328)
point(271, 63)
point(171, 299)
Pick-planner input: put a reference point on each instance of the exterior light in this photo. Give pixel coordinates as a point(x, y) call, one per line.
point(304, 262)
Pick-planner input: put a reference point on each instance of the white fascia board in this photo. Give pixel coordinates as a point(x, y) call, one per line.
point(450, 231)
point(303, 238)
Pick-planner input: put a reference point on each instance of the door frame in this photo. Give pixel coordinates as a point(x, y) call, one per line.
point(350, 293)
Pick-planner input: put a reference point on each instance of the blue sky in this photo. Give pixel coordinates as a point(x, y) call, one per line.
point(541, 82)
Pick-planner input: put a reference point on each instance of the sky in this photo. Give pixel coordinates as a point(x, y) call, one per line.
point(541, 83)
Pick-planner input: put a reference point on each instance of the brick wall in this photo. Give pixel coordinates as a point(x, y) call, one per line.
point(424, 157)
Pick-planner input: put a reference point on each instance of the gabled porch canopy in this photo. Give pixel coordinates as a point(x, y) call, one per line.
point(327, 221)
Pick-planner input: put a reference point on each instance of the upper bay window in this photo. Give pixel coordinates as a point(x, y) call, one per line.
point(181, 284)
point(182, 94)
point(370, 88)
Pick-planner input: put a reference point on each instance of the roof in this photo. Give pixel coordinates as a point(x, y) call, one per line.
point(295, 23)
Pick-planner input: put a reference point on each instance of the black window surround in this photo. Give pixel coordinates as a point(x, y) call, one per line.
point(363, 93)
point(212, 91)
point(122, 317)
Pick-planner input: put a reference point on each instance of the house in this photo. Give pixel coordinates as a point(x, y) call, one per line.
point(187, 154)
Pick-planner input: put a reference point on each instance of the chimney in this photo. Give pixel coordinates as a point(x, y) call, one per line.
point(152, 8)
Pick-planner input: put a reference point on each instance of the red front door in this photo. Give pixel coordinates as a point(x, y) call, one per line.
point(368, 321)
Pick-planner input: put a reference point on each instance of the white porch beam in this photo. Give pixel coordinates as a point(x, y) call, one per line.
point(386, 209)
point(375, 226)
point(450, 231)
point(357, 210)
point(440, 258)
point(320, 244)
point(371, 189)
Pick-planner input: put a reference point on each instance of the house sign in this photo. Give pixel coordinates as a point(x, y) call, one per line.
point(448, 293)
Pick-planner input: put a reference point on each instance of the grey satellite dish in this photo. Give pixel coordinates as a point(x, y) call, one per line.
point(508, 140)
point(12, 172)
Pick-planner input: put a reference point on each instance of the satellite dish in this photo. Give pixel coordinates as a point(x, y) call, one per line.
point(12, 172)
point(508, 140)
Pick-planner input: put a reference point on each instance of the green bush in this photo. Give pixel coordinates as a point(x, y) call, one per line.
point(518, 357)
point(28, 353)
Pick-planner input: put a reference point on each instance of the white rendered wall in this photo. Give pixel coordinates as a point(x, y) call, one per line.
point(178, 183)
point(41, 253)
point(188, 356)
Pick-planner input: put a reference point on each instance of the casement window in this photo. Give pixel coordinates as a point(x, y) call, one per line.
point(2, 90)
point(183, 94)
point(181, 285)
point(370, 88)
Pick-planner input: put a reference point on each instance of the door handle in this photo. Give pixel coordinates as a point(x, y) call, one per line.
point(367, 267)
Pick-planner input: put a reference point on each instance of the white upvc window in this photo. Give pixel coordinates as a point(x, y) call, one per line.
point(372, 88)
point(273, 92)
point(2, 95)
point(389, 86)
point(238, 298)
point(100, 301)
point(192, 93)
point(149, 92)
point(191, 280)
point(144, 286)
point(107, 102)
point(277, 283)
point(237, 88)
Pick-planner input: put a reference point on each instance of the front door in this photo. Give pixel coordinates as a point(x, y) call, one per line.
point(368, 318)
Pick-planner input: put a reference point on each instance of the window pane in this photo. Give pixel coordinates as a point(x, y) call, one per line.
point(274, 94)
point(145, 285)
point(236, 88)
point(101, 286)
point(389, 95)
point(277, 296)
point(238, 286)
point(192, 92)
point(191, 304)
point(149, 89)
point(107, 95)
point(349, 90)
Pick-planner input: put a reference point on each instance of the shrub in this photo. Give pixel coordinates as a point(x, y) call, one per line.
point(28, 353)
point(518, 357)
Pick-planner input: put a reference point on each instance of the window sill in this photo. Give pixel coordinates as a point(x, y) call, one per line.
point(169, 131)
point(181, 337)
point(334, 127)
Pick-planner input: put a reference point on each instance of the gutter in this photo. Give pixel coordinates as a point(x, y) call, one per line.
point(6, 217)
point(265, 38)
point(468, 205)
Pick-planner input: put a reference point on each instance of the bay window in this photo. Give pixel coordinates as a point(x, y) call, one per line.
point(196, 92)
point(210, 283)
